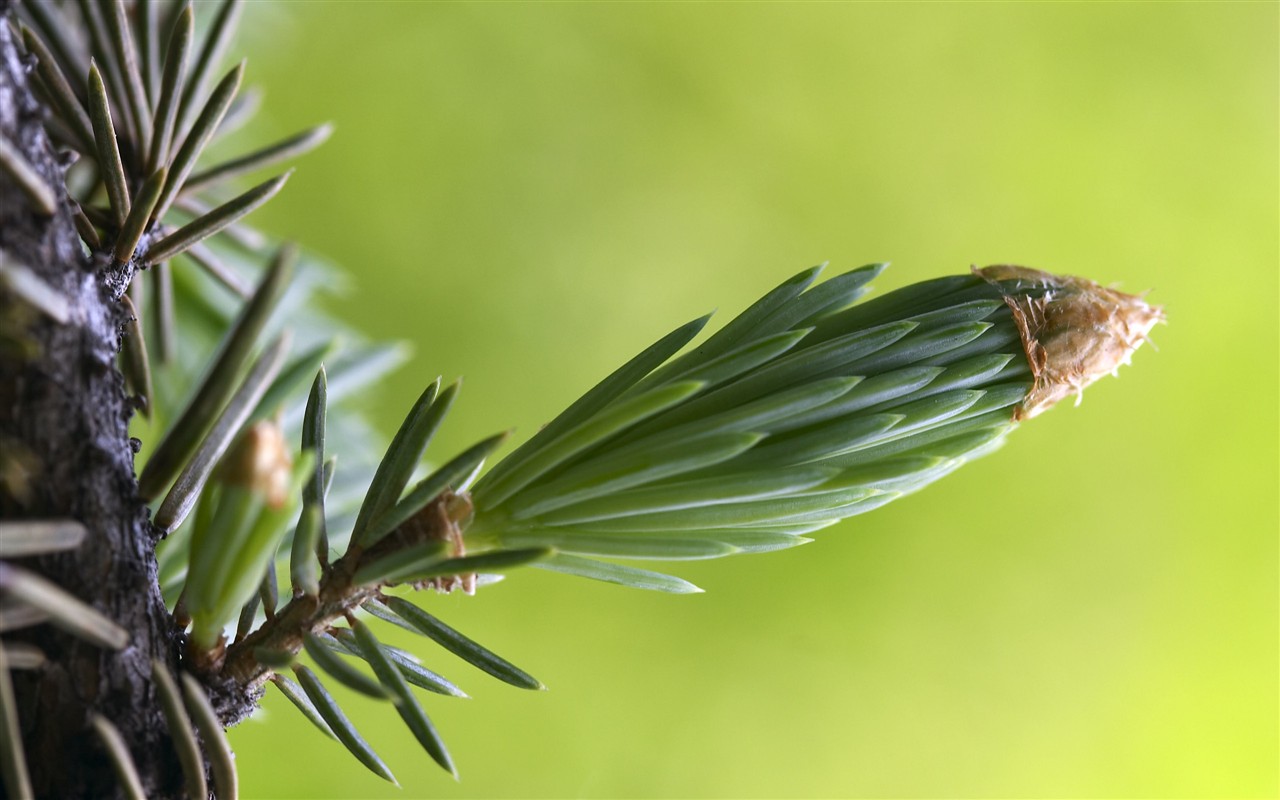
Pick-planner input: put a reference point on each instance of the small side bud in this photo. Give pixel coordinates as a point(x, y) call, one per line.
point(1074, 331)
point(260, 461)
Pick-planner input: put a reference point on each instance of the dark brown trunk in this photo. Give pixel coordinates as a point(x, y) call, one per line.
point(64, 441)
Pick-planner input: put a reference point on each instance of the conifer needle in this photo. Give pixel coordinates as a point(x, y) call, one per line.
point(177, 445)
point(130, 76)
point(135, 223)
point(175, 69)
point(133, 356)
point(205, 226)
point(221, 759)
point(198, 136)
point(180, 729)
point(13, 761)
point(118, 754)
point(19, 538)
point(186, 489)
point(108, 149)
point(27, 179)
point(215, 43)
point(63, 609)
point(65, 101)
point(292, 147)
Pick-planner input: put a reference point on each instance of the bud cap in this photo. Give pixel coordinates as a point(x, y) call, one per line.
point(1074, 331)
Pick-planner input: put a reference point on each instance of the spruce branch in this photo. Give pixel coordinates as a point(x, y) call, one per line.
point(807, 408)
point(804, 410)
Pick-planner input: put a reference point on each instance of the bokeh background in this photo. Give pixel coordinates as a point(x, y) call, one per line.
point(532, 193)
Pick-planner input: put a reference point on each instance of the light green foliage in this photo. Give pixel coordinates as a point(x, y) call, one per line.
point(403, 455)
point(405, 702)
point(322, 701)
point(327, 654)
point(406, 662)
point(800, 412)
point(399, 611)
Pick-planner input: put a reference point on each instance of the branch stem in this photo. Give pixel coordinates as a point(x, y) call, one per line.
point(338, 598)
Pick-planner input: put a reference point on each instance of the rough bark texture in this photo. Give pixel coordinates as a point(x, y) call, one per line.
point(64, 421)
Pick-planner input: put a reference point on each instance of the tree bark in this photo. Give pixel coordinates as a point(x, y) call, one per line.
point(66, 453)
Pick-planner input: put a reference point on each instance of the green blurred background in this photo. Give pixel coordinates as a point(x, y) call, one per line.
point(532, 193)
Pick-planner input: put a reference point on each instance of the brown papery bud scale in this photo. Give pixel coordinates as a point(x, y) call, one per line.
point(1073, 330)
